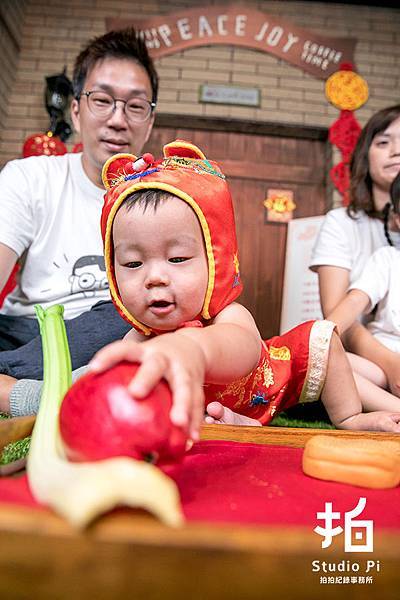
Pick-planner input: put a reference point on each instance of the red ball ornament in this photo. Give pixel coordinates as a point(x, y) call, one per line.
point(77, 148)
point(100, 419)
point(41, 144)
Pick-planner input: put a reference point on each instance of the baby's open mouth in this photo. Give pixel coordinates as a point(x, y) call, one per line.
point(161, 308)
point(160, 303)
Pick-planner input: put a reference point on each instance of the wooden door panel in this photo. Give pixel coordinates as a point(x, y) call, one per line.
point(253, 164)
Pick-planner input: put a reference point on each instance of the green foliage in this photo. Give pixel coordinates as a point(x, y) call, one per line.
point(15, 451)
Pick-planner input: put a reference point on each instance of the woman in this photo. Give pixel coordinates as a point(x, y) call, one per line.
point(350, 235)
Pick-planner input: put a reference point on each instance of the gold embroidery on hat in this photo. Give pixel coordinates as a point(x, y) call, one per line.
point(201, 167)
point(282, 353)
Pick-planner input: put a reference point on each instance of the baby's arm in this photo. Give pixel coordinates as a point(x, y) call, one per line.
point(231, 345)
point(354, 304)
point(342, 401)
point(227, 349)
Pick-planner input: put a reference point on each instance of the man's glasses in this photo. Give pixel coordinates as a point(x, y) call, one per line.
point(102, 105)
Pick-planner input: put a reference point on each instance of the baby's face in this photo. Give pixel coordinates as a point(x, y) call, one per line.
point(160, 263)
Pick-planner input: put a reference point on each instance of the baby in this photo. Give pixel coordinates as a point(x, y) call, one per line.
point(172, 263)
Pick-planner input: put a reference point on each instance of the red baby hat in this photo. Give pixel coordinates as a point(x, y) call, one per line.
point(185, 172)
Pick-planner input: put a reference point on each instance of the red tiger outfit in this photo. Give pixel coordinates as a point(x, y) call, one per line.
point(292, 366)
point(291, 369)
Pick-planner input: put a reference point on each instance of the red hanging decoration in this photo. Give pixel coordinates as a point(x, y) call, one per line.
point(346, 90)
point(78, 147)
point(43, 143)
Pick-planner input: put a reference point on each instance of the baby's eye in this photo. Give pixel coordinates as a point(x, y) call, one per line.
point(134, 264)
point(178, 259)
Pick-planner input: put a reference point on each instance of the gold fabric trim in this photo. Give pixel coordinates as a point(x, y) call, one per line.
point(319, 343)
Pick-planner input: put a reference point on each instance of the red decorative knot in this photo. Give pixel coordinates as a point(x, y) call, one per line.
point(346, 90)
point(344, 133)
point(346, 66)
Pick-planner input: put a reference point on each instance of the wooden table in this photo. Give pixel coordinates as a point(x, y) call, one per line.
point(133, 557)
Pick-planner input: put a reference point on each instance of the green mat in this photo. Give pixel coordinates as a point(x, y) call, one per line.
point(311, 415)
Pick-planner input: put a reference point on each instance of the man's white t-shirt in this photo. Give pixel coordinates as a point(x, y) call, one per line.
point(50, 216)
point(380, 280)
point(348, 243)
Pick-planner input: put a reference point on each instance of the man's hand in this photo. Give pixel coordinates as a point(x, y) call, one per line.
point(179, 359)
point(6, 385)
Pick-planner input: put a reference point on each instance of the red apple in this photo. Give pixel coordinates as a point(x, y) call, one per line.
point(99, 419)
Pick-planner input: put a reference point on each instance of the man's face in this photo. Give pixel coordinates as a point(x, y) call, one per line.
point(103, 137)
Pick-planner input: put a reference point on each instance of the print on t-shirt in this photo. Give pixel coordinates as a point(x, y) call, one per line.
point(88, 275)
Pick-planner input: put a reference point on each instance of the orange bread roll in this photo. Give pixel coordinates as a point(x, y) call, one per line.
point(363, 462)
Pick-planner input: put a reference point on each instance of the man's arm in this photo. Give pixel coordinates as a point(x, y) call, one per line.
point(8, 258)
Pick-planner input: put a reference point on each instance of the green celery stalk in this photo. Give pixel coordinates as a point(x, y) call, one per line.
point(81, 491)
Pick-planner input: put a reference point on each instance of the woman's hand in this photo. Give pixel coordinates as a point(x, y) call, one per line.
point(392, 371)
point(179, 359)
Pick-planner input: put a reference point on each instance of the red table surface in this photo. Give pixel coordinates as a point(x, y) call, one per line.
point(247, 483)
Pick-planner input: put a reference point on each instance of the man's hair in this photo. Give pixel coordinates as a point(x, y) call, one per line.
point(360, 179)
point(124, 43)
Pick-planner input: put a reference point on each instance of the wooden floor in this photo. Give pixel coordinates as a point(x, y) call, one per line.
point(132, 556)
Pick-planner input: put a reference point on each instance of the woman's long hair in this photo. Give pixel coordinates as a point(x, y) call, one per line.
point(394, 204)
point(360, 180)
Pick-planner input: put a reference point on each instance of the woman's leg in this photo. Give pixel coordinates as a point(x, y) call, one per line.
point(371, 384)
point(368, 370)
point(373, 397)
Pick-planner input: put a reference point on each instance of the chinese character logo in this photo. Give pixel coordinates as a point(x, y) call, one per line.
point(358, 534)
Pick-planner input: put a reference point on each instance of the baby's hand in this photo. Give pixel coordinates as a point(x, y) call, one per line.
point(380, 420)
point(178, 359)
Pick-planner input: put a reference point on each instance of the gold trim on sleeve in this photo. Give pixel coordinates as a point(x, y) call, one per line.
point(319, 343)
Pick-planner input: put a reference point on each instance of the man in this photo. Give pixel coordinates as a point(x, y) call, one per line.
point(50, 210)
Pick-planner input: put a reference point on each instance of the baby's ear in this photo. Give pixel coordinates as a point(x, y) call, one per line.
point(183, 149)
point(116, 168)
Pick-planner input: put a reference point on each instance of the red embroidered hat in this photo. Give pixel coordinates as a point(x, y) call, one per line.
point(185, 172)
